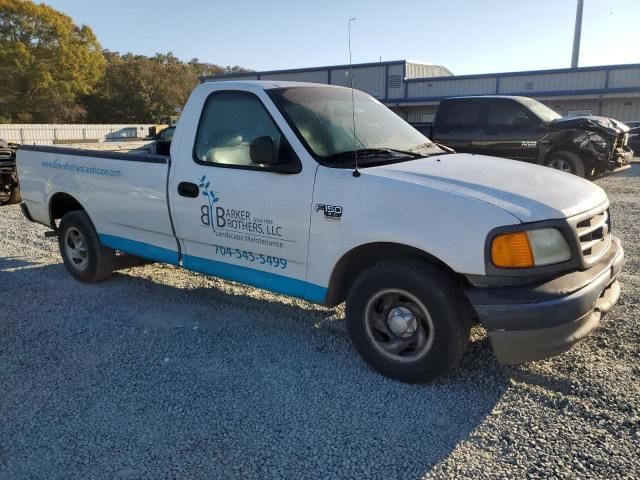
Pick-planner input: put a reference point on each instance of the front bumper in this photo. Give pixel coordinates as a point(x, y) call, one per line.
point(533, 322)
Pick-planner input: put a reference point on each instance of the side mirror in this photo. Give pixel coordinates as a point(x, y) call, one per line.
point(521, 121)
point(263, 151)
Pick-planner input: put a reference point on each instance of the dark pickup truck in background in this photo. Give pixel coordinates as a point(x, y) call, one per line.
point(524, 129)
point(163, 141)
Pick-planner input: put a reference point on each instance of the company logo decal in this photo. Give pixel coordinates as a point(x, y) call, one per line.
point(238, 224)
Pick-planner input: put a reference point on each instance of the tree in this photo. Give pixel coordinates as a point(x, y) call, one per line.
point(136, 88)
point(46, 63)
point(236, 69)
point(140, 89)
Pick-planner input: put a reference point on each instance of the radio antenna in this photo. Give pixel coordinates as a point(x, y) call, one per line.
point(356, 173)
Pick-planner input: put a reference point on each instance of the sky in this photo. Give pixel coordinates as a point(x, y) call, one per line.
point(472, 36)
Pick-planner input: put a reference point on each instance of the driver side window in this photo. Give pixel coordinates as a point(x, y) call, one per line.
point(505, 113)
point(230, 121)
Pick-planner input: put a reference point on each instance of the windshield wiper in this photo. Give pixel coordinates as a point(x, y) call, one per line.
point(433, 144)
point(375, 152)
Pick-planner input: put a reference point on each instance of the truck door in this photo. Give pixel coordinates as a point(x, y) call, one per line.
point(510, 130)
point(457, 125)
point(236, 219)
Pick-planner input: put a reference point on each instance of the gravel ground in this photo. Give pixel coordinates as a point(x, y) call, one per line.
point(159, 373)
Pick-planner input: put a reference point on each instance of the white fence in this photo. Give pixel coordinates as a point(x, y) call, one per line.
point(45, 134)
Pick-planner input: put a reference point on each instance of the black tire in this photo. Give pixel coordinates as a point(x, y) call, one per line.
point(446, 307)
point(564, 160)
point(77, 231)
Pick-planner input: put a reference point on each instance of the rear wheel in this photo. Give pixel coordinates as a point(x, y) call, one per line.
point(407, 320)
point(84, 256)
point(566, 162)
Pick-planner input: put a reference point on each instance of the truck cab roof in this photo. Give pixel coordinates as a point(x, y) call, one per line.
point(266, 84)
point(517, 98)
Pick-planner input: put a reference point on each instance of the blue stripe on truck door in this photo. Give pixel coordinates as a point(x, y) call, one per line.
point(139, 249)
point(249, 276)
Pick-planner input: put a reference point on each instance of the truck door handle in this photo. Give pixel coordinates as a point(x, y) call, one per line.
point(188, 189)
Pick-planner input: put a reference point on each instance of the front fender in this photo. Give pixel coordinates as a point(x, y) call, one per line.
point(448, 226)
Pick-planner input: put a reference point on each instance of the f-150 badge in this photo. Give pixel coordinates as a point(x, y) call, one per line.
point(332, 212)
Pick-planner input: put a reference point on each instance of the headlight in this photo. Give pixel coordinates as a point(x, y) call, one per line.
point(599, 142)
point(533, 248)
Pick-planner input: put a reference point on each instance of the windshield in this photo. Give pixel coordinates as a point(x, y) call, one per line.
point(543, 112)
point(323, 117)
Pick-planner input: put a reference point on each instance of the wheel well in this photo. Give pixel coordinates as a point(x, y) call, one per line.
point(565, 149)
point(60, 204)
point(356, 261)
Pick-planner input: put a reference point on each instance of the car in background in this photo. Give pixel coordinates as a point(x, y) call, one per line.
point(633, 125)
point(524, 129)
point(163, 141)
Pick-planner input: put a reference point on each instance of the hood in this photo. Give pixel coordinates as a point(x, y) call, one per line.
point(529, 192)
point(591, 122)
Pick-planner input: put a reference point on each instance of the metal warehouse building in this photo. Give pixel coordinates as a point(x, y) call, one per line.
point(414, 89)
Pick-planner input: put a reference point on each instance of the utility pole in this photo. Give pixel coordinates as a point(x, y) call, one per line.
point(576, 35)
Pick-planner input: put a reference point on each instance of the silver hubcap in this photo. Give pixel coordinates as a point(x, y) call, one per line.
point(76, 249)
point(560, 164)
point(399, 326)
point(402, 322)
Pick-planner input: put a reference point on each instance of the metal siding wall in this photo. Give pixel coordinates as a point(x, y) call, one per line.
point(398, 92)
point(48, 134)
point(414, 115)
point(367, 79)
point(564, 106)
point(318, 76)
point(624, 77)
point(443, 88)
point(622, 109)
point(553, 81)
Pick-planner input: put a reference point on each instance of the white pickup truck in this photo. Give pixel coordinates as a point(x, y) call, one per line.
point(261, 188)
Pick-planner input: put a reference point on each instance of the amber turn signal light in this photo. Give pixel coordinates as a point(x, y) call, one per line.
point(511, 250)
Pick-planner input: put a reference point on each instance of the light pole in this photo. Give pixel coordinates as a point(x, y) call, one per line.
point(576, 35)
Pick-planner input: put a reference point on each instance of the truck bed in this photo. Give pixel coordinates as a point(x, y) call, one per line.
point(124, 193)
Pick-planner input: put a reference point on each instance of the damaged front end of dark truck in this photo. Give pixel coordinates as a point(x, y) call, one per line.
point(524, 129)
point(600, 143)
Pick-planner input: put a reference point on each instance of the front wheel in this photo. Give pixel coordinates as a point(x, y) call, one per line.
point(84, 256)
point(566, 162)
point(407, 320)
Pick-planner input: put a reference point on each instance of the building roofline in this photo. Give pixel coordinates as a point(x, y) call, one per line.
point(307, 69)
point(530, 94)
point(423, 79)
point(526, 72)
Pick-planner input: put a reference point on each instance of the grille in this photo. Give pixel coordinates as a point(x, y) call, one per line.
point(621, 141)
point(594, 236)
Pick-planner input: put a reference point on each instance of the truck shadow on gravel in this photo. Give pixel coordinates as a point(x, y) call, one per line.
point(14, 262)
point(135, 378)
point(632, 172)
